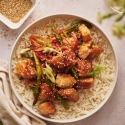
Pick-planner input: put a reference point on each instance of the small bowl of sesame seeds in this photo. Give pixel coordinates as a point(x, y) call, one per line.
point(13, 13)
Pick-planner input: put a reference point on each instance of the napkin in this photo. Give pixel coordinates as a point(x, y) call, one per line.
point(11, 110)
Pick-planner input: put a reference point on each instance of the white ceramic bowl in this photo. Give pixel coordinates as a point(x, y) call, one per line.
point(37, 24)
point(12, 25)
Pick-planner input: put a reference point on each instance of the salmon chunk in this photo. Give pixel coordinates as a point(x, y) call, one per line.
point(85, 83)
point(46, 108)
point(26, 69)
point(64, 59)
point(84, 51)
point(85, 33)
point(65, 81)
point(95, 51)
point(70, 94)
point(84, 67)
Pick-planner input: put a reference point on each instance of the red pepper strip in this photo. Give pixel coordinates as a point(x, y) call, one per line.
point(40, 56)
point(43, 57)
point(34, 43)
point(76, 41)
point(54, 42)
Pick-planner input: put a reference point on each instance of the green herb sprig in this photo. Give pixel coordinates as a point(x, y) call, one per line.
point(49, 73)
point(96, 71)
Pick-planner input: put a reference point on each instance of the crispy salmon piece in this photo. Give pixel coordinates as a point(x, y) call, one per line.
point(95, 51)
point(45, 92)
point(46, 108)
point(63, 60)
point(70, 94)
point(85, 83)
point(65, 81)
point(84, 51)
point(26, 69)
point(85, 33)
point(84, 67)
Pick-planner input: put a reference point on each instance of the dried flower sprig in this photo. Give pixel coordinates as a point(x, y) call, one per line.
point(101, 17)
point(118, 29)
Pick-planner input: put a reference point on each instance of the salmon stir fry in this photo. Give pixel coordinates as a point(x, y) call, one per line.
point(58, 66)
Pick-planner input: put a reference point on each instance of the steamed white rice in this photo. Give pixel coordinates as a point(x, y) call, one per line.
point(89, 98)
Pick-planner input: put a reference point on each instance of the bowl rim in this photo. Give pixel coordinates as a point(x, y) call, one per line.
point(108, 95)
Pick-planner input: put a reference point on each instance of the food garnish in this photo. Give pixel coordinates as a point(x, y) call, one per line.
point(96, 71)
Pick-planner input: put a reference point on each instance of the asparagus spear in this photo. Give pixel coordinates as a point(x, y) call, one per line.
point(75, 74)
point(39, 74)
point(75, 25)
point(65, 105)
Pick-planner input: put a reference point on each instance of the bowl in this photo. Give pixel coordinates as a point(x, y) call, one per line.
point(93, 98)
point(15, 25)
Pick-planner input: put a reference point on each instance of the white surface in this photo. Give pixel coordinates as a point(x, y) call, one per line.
point(113, 112)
